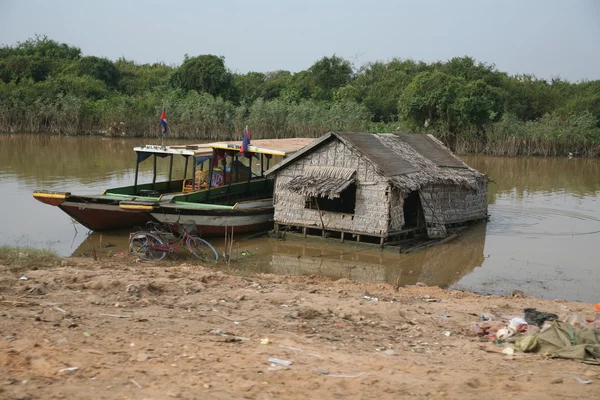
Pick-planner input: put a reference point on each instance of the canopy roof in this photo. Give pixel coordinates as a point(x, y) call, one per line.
point(280, 147)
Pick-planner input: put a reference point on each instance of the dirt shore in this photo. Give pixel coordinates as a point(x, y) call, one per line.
point(118, 329)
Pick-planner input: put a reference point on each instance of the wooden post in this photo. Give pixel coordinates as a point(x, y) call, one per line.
point(154, 173)
point(187, 158)
point(342, 238)
point(137, 169)
point(304, 231)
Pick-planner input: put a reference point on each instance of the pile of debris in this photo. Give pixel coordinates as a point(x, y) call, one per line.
point(564, 336)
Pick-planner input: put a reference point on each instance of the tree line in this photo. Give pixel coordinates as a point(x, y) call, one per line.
point(46, 86)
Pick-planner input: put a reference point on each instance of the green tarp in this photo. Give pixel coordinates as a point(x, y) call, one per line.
point(564, 341)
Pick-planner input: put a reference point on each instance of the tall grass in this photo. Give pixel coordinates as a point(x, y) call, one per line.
point(15, 259)
point(201, 116)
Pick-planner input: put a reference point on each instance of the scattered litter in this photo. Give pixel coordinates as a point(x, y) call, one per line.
point(275, 367)
point(264, 341)
point(389, 352)
point(447, 333)
point(445, 315)
point(136, 384)
point(534, 317)
point(24, 278)
point(370, 298)
point(68, 369)
point(86, 334)
point(346, 376)
point(60, 309)
point(597, 307)
point(583, 381)
point(322, 372)
point(433, 300)
point(236, 339)
point(280, 362)
point(525, 374)
point(509, 351)
point(290, 348)
point(246, 253)
point(115, 315)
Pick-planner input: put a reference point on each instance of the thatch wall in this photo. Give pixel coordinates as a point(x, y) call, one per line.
point(447, 204)
point(372, 193)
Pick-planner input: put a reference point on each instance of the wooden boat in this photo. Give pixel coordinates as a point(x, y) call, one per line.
point(239, 195)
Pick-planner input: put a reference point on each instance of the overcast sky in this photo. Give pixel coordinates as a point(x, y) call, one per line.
point(543, 37)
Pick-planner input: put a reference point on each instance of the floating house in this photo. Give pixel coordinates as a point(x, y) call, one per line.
point(376, 188)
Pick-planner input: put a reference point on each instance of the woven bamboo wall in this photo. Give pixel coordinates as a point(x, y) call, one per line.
point(446, 204)
point(372, 194)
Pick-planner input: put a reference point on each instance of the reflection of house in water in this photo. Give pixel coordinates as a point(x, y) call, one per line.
point(436, 266)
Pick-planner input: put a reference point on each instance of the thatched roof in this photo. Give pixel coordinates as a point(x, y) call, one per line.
point(408, 161)
point(322, 181)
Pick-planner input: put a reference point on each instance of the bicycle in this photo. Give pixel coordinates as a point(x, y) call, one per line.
point(159, 240)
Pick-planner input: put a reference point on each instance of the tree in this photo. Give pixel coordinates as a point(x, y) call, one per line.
point(98, 68)
point(205, 73)
point(381, 84)
point(429, 98)
point(330, 73)
point(249, 86)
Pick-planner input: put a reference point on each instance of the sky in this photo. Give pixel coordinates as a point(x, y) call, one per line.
point(551, 38)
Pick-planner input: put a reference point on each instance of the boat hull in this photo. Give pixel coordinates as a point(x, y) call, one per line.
point(51, 198)
point(213, 223)
point(100, 217)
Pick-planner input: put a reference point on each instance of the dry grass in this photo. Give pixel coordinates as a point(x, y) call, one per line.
point(15, 259)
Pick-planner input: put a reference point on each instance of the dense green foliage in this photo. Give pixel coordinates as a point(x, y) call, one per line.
point(47, 86)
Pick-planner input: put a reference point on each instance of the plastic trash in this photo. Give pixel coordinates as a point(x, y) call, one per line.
point(370, 298)
point(280, 362)
point(534, 317)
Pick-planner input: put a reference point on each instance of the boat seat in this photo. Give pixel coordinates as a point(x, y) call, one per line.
point(201, 180)
point(149, 193)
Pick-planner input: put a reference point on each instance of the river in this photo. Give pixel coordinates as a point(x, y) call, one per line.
point(542, 237)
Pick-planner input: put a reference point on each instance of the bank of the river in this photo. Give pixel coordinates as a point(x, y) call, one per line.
point(532, 139)
point(121, 329)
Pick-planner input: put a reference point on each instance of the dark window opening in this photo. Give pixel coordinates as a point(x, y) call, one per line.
point(343, 204)
point(413, 211)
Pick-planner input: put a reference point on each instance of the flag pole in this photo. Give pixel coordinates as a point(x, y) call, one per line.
point(162, 135)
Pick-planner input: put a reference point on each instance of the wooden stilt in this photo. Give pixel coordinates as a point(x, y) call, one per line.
point(304, 231)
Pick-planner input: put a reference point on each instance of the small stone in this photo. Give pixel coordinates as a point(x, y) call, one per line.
point(143, 357)
point(420, 284)
point(556, 381)
point(241, 298)
point(206, 386)
point(390, 352)
point(62, 341)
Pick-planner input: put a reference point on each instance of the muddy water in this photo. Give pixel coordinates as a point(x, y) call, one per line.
point(542, 237)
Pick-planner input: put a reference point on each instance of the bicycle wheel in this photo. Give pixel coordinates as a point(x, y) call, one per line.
point(202, 249)
point(142, 244)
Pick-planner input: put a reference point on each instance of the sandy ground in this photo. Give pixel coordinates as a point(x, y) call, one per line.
point(118, 329)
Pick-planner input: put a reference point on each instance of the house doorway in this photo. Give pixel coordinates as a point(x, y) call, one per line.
point(413, 211)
